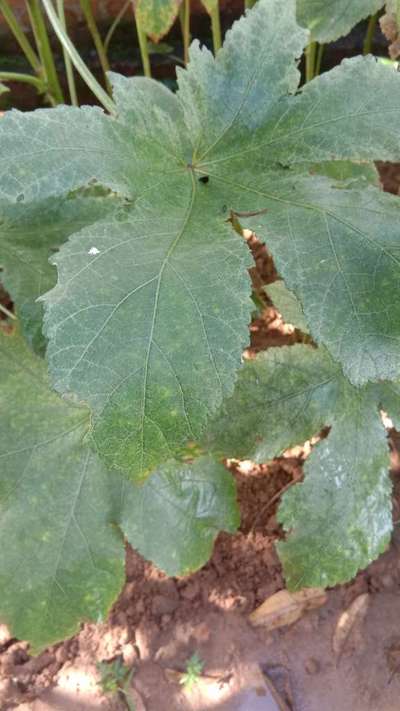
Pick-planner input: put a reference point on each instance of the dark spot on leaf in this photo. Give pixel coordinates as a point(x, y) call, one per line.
point(20, 197)
point(204, 179)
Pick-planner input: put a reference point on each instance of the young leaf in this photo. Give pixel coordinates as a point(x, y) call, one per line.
point(28, 236)
point(339, 519)
point(61, 559)
point(149, 329)
point(330, 19)
point(193, 502)
point(156, 16)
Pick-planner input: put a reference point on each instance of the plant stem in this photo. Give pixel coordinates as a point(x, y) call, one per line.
point(184, 17)
point(216, 28)
point(249, 4)
point(19, 35)
point(310, 60)
point(98, 42)
point(7, 313)
point(45, 51)
point(67, 61)
point(25, 78)
point(77, 61)
point(115, 24)
point(370, 34)
point(318, 63)
point(144, 51)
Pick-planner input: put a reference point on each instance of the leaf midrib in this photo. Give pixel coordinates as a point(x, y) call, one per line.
point(170, 251)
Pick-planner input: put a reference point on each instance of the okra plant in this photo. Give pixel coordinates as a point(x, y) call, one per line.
point(119, 251)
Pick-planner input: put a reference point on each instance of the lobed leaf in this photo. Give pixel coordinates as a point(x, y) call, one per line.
point(225, 98)
point(339, 519)
point(137, 327)
point(61, 559)
point(148, 329)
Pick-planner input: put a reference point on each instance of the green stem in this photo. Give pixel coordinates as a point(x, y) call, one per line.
point(318, 63)
point(98, 42)
point(216, 28)
point(248, 4)
point(184, 16)
point(19, 35)
point(77, 61)
point(45, 52)
point(310, 60)
point(115, 24)
point(7, 312)
point(25, 78)
point(67, 61)
point(144, 51)
point(370, 34)
point(398, 13)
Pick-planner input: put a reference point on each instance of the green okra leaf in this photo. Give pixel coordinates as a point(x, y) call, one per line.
point(62, 557)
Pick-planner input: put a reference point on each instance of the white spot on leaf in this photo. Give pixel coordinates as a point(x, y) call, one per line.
point(93, 251)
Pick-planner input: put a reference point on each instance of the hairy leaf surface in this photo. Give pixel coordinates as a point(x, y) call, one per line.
point(330, 19)
point(193, 502)
point(149, 328)
point(61, 558)
point(158, 350)
point(339, 519)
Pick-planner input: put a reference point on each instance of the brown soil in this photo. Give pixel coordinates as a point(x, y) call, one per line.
point(158, 623)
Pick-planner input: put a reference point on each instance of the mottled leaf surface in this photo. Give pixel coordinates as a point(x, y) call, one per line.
point(29, 235)
point(339, 518)
point(148, 328)
point(130, 292)
point(186, 506)
point(330, 19)
point(61, 559)
point(156, 16)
